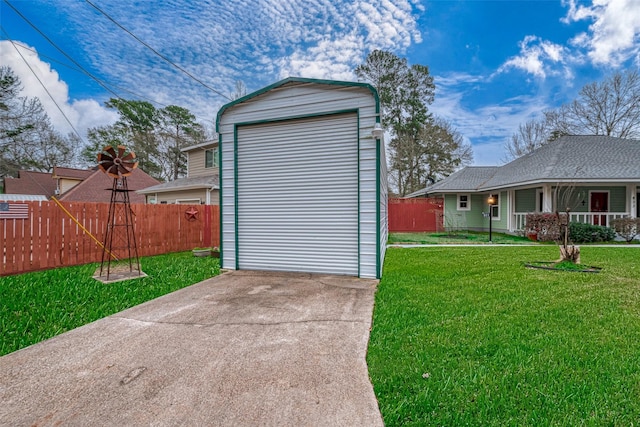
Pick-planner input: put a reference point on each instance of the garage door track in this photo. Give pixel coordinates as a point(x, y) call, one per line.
point(244, 348)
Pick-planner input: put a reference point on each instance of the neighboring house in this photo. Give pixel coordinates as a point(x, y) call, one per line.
point(97, 187)
point(201, 185)
point(31, 182)
point(602, 175)
point(67, 178)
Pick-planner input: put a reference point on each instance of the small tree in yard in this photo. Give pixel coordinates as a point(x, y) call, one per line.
point(627, 228)
point(566, 199)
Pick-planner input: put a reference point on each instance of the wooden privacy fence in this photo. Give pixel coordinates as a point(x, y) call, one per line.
point(49, 238)
point(416, 215)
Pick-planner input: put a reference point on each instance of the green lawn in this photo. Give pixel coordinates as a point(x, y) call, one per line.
point(36, 306)
point(468, 336)
point(460, 237)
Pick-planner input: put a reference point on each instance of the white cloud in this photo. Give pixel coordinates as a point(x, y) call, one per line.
point(614, 35)
point(37, 75)
point(537, 57)
point(257, 41)
point(486, 127)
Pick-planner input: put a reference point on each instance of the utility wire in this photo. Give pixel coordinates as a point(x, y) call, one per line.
point(156, 52)
point(71, 67)
point(44, 87)
point(61, 51)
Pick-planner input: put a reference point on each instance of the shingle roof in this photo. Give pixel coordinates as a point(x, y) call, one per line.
point(573, 158)
point(59, 172)
point(209, 181)
point(569, 158)
point(97, 188)
point(465, 179)
point(30, 182)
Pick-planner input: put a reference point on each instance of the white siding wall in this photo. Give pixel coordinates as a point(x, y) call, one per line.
point(297, 100)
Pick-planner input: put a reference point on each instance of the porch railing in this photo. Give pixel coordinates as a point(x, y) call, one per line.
point(596, 218)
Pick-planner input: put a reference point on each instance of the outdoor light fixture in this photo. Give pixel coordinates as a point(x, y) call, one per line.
point(492, 202)
point(377, 131)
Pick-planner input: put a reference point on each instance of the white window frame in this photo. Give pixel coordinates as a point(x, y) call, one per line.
point(468, 201)
point(214, 160)
point(495, 206)
point(194, 201)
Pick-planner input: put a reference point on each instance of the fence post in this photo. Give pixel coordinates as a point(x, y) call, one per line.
point(207, 226)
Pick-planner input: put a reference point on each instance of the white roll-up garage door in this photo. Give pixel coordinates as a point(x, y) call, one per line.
point(297, 195)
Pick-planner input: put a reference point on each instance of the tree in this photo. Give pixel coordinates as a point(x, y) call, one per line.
point(610, 108)
point(156, 136)
point(177, 129)
point(27, 138)
point(422, 148)
point(530, 136)
point(239, 90)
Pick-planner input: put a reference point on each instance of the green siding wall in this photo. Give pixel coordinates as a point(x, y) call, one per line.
point(526, 200)
point(473, 219)
point(617, 198)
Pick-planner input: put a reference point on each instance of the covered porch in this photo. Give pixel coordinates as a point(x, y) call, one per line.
point(592, 203)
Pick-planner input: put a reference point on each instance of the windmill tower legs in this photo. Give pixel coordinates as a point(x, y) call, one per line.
point(120, 260)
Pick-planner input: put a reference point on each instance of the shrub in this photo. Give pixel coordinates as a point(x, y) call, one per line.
point(627, 228)
point(545, 225)
point(586, 233)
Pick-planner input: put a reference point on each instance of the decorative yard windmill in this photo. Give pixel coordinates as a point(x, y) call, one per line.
point(119, 237)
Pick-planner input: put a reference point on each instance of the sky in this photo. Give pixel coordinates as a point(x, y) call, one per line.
point(496, 64)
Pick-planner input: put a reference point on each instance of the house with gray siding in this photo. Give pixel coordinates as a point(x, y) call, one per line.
point(597, 177)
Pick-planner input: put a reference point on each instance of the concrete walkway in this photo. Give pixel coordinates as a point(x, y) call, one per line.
point(240, 349)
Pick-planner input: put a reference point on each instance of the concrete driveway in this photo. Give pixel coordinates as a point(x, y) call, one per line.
point(241, 349)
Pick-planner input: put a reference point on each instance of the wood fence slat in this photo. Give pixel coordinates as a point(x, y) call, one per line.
point(50, 238)
point(415, 215)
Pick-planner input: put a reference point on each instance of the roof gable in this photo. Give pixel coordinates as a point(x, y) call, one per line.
point(97, 187)
point(31, 182)
point(291, 81)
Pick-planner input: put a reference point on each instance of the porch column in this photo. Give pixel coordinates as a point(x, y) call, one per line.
point(511, 194)
point(547, 198)
point(631, 200)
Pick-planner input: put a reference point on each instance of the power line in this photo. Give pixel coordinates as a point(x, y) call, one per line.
point(156, 52)
point(59, 49)
point(45, 88)
point(41, 55)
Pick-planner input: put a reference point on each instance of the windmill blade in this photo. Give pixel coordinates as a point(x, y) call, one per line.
point(129, 156)
point(130, 165)
point(109, 149)
point(123, 171)
point(113, 171)
point(121, 150)
point(105, 165)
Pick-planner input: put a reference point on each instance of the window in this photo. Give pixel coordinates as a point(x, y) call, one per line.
point(211, 158)
point(464, 202)
point(495, 208)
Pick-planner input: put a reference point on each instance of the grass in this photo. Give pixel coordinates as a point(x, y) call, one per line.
point(464, 237)
point(39, 305)
point(468, 336)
